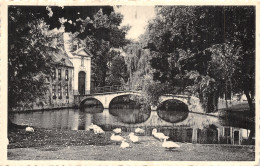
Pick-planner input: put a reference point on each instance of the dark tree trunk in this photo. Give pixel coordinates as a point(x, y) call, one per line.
point(251, 114)
point(250, 103)
point(210, 103)
point(12, 126)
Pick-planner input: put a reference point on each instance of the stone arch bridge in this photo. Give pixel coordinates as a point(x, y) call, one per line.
point(192, 102)
point(103, 98)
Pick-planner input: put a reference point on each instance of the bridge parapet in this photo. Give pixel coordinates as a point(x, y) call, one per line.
point(104, 98)
point(114, 88)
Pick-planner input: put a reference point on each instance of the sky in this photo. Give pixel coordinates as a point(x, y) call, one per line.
point(137, 17)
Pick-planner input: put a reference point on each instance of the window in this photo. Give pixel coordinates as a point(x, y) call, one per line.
point(66, 75)
point(227, 131)
point(82, 61)
point(59, 91)
point(59, 74)
point(53, 73)
point(53, 91)
point(67, 91)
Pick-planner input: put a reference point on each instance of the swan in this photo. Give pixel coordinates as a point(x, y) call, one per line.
point(159, 136)
point(117, 130)
point(95, 128)
point(98, 131)
point(29, 129)
point(116, 138)
point(133, 137)
point(91, 127)
point(124, 144)
point(169, 144)
point(139, 131)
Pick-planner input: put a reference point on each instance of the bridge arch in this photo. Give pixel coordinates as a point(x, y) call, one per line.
point(117, 97)
point(173, 105)
point(192, 102)
point(89, 98)
point(105, 99)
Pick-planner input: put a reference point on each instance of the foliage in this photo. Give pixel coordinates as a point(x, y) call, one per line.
point(31, 43)
point(29, 62)
point(205, 51)
point(118, 71)
point(105, 35)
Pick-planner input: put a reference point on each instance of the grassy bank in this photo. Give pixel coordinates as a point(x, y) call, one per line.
point(54, 144)
point(54, 137)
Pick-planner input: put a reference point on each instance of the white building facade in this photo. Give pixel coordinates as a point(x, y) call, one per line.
point(81, 60)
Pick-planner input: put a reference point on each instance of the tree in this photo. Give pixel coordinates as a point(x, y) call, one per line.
point(183, 39)
point(29, 49)
point(30, 43)
point(213, 49)
point(105, 34)
point(118, 74)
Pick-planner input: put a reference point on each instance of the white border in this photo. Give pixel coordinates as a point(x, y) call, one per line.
point(3, 78)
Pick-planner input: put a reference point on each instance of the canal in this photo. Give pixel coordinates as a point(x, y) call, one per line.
point(171, 117)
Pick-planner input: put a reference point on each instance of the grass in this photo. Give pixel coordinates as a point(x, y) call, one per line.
point(42, 137)
point(44, 144)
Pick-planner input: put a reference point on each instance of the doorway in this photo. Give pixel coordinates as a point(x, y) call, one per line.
point(82, 82)
point(236, 137)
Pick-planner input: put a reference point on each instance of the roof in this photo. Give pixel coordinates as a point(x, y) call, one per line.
point(60, 57)
point(82, 52)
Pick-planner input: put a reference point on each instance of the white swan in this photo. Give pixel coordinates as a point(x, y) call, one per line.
point(133, 137)
point(124, 144)
point(91, 127)
point(139, 131)
point(170, 144)
point(159, 136)
point(116, 138)
point(117, 130)
point(29, 129)
point(95, 128)
point(98, 131)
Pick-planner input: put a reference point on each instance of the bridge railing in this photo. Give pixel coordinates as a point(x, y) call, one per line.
point(106, 89)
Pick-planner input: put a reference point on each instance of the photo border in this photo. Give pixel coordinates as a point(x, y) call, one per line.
point(4, 84)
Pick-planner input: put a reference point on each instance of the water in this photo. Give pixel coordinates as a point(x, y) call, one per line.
point(180, 125)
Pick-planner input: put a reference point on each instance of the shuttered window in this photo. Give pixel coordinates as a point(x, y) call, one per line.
point(66, 75)
point(59, 91)
point(59, 74)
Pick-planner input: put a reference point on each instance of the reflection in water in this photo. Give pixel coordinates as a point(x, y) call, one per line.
point(173, 111)
point(241, 121)
point(173, 116)
point(181, 126)
point(130, 116)
point(128, 111)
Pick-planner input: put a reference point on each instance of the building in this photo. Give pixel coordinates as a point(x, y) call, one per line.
point(60, 82)
point(71, 75)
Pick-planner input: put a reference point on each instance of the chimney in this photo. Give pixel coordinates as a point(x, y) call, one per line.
point(67, 44)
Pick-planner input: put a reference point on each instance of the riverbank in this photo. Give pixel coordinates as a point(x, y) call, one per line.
point(52, 144)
